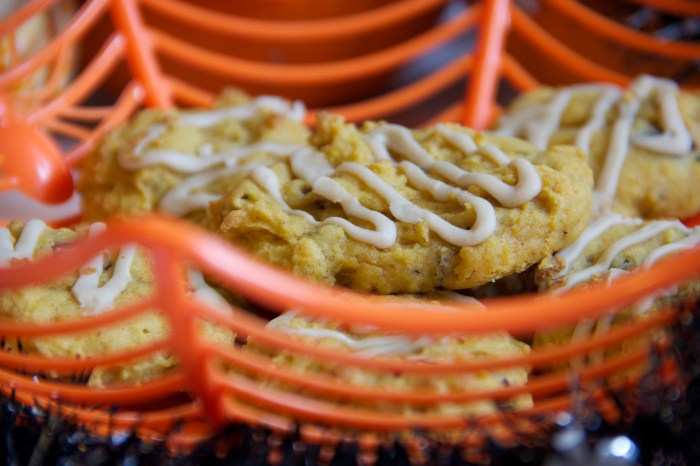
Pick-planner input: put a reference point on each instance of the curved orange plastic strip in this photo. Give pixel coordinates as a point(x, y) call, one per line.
point(481, 90)
point(153, 425)
point(408, 95)
point(328, 385)
point(139, 52)
point(174, 242)
point(30, 362)
point(189, 94)
point(540, 357)
point(517, 74)
point(543, 41)
point(59, 72)
point(331, 28)
point(90, 322)
point(88, 15)
point(512, 422)
point(86, 83)
point(315, 73)
point(622, 35)
point(187, 340)
point(279, 290)
point(312, 409)
point(145, 392)
point(251, 326)
point(68, 129)
point(129, 100)
point(79, 113)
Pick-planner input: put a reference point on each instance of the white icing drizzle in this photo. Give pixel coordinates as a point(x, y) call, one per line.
point(687, 243)
point(406, 211)
point(593, 231)
point(202, 292)
point(642, 306)
point(450, 295)
point(293, 110)
point(384, 234)
point(417, 160)
point(400, 140)
point(539, 132)
point(538, 122)
point(188, 195)
point(484, 225)
point(605, 260)
point(88, 292)
point(640, 235)
point(309, 165)
point(313, 168)
point(676, 138)
point(609, 95)
point(86, 289)
point(369, 346)
point(25, 245)
point(183, 162)
point(618, 146)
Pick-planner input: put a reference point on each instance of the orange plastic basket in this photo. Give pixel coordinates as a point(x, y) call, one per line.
point(199, 396)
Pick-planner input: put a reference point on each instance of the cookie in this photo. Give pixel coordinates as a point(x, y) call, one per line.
point(113, 279)
point(611, 247)
point(389, 210)
point(369, 342)
point(177, 161)
point(642, 142)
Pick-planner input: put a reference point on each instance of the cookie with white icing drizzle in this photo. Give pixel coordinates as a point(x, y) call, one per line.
point(643, 142)
point(369, 342)
point(390, 210)
point(111, 279)
point(177, 161)
point(611, 247)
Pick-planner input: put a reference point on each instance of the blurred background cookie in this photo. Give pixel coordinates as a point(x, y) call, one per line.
point(642, 142)
point(178, 161)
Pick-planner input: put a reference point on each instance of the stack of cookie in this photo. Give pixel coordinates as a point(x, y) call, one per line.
point(594, 190)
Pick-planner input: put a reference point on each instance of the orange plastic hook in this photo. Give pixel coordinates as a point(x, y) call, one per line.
point(30, 160)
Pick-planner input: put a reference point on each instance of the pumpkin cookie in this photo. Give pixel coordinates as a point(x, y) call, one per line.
point(390, 210)
point(642, 142)
point(369, 342)
point(177, 161)
point(611, 247)
point(110, 280)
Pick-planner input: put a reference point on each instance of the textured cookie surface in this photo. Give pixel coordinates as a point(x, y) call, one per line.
point(114, 279)
point(179, 161)
point(388, 210)
point(643, 142)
